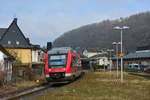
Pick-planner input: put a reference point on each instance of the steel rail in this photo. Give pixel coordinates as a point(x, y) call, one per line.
point(30, 90)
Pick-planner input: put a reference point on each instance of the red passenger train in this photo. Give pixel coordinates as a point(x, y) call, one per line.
point(62, 64)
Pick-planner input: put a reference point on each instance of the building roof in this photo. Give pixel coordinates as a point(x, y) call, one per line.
point(93, 49)
point(35, 46)
point(2, 31)
point(99, 56)
point(13, 37)
point(143, 48)
point(136, 55)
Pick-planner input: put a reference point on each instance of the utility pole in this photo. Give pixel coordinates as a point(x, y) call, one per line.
point(109, 51)
point(121, 42)
point(117, 62)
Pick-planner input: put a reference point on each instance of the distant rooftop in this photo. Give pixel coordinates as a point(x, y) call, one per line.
point(143, 48)
point(100, 55)
point(136, 55)
point(94, 49)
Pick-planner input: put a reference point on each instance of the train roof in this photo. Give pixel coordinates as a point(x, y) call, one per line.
point(60, 50)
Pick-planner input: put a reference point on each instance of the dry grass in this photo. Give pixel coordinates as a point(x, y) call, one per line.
point(16, 86)
point(103, 86)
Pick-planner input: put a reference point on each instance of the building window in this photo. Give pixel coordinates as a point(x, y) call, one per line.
point(9, 42)
point(39, 53)
point(17, 42)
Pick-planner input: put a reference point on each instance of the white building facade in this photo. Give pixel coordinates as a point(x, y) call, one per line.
point(5, 67)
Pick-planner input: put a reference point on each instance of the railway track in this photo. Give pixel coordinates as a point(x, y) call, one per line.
point(16, 95)
point(145, 75)
point(23, 92)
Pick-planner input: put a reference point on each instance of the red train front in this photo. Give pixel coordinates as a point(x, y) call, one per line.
point(62, 64)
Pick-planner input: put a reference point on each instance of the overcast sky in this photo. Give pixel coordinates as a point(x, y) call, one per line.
point(45, 20)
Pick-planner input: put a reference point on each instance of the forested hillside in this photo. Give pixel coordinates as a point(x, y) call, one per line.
point(101, 35)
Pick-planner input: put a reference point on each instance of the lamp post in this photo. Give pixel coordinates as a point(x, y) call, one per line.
point(109, 51)
point(117, 63)
point(121, 54)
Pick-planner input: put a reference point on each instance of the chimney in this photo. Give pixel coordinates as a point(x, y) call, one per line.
point(15, 20)
point(49, 45)
point(28, 40)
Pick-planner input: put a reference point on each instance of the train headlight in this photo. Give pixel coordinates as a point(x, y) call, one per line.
point(47, 75)
point(68, 74)
point(50, 70)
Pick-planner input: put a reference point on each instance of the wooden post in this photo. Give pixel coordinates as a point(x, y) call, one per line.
point(30, 71)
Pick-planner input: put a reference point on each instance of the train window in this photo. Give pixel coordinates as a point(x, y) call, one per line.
point(57, 57)
point(57, 61)
point(136, 66)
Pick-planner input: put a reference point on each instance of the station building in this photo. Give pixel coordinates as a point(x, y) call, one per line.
point(141, 57)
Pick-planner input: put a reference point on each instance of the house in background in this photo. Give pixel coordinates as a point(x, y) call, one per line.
point(98, 57)
point(38, 61)
point(27, 56)
point(6, 61)
point(37, 54)
point(89, 52)
point(101, 59)
point(13, 40)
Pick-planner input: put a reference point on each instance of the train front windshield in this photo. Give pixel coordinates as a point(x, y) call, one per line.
point(57, 61)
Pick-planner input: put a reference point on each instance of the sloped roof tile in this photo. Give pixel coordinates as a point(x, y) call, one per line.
point(135, 55)
point(2, 31)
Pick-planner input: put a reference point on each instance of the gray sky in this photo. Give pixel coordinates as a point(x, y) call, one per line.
point(45, 20)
